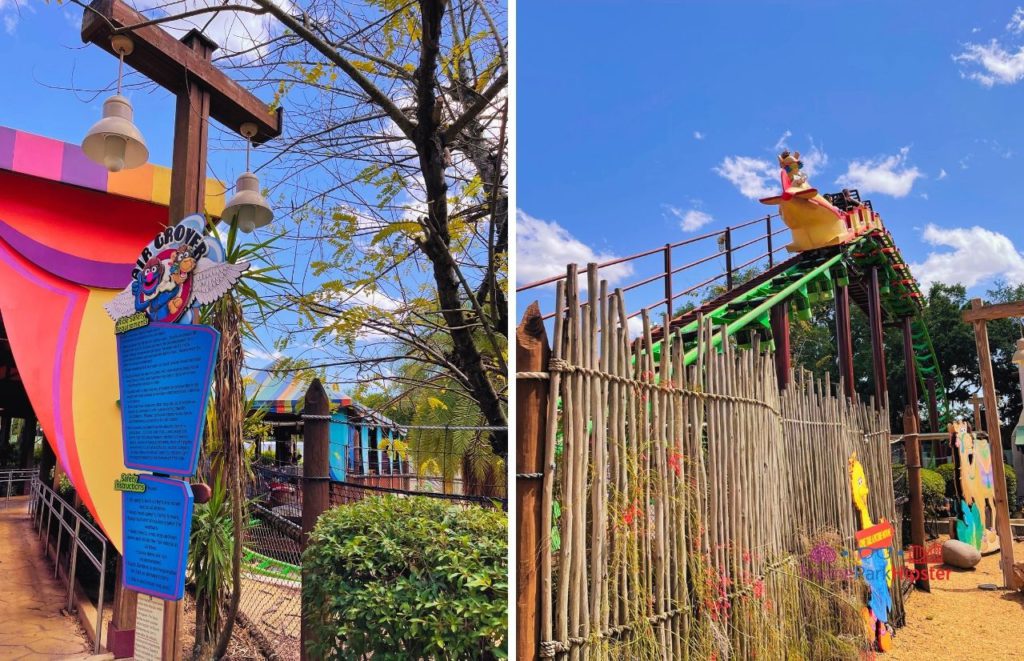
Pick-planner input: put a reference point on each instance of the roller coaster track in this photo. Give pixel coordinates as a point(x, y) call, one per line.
point(802, 281)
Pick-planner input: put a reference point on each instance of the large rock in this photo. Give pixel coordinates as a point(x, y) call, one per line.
point(960, 554)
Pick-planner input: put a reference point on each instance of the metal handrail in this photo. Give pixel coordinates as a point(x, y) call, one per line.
point(45, 502)
point(726, 249)
point(9, 477)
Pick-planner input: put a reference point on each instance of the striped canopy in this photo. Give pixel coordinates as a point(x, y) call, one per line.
point(285, 394)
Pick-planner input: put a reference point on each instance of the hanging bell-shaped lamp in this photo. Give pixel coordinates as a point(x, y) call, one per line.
point(247, 206)
point(115, 142)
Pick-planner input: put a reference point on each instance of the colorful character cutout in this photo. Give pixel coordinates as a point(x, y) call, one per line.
point(179, 270)
point(875, 560)
point(977, 490)
point(814, 222)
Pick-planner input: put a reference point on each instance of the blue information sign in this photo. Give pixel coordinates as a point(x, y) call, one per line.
point(156, 529)
point(165, 375)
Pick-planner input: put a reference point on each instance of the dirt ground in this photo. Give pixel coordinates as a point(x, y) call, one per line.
point(959, 621)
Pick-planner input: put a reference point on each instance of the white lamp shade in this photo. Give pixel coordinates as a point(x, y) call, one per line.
point(115, 142)
point(247, 207)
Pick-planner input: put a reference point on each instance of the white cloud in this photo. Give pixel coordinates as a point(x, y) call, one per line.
point(754, 177)
point(1016, 24)
point(780, 144)
point(942, 174)
point(977, 255)
point(924, 196)
point(975, 30)
point(234, 32)
point(888, 175)
point(998, 65)
point(543, 249)
point(697, 135)
point(690, 220)
point(10, 23)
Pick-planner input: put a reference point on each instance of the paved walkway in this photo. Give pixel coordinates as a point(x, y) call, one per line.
point(32, 626)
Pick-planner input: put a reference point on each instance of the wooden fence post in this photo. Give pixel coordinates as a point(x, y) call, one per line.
point(912, 442)
point(995, 439)
point(532, 354)
point(315, 470)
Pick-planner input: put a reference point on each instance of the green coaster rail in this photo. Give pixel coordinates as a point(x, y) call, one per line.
point(811, 281)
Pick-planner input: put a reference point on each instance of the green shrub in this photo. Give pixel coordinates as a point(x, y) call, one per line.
point(933, 488)
point(1011, 484)
point(407, 578)
point(948, 473)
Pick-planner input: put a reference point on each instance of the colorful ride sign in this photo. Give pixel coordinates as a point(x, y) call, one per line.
point(157, 522)
point(166, 371)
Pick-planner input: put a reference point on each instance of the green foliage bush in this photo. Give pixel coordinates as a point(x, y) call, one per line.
point(948, 473)
point(933, 487)
point(407, 578)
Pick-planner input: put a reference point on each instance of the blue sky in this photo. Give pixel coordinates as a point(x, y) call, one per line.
point(636, 117)
point(56, 87)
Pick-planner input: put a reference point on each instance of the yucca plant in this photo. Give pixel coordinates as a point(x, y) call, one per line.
point(209, 560)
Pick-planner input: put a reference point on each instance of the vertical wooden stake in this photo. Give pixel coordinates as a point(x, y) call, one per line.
point(315, 470)
point(978, 421)
point(779, 318)
point(988, 386)
point(532, 353)
point(912, 442)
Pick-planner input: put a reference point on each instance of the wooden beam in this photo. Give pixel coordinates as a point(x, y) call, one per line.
point(844, 339)
point(191, 130)
point(912, 443)
point(174, 65)
point(779, 318)
point(988, 386)
point(316, 473)
point(877, 341)
point(910, 367)
point(994, 312)
point(532, 353)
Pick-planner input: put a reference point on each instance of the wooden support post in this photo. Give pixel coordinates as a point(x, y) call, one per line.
point(844, 339)
point(5, 437)
point(877, 341)
point(283, 445)
point(912, 443)
point(191, 126)
point(26, 446)
point(47, 461)
point(933, 406)
point(315, 470)
point(910, 366)
point(779, 318)
point(532, 353)
point(988, 386)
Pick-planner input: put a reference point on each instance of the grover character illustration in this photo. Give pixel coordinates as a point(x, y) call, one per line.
point(153, 290)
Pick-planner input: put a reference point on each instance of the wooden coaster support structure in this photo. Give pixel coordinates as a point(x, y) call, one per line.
point(980, 315)
point(202, 91)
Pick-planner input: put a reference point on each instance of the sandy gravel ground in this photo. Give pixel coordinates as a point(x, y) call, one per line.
point(959, 621)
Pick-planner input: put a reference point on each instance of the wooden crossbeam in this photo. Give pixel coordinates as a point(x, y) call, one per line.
point(993, 312)
point(171, 64)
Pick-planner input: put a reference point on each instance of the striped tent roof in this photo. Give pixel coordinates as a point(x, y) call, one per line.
point(285, 394)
